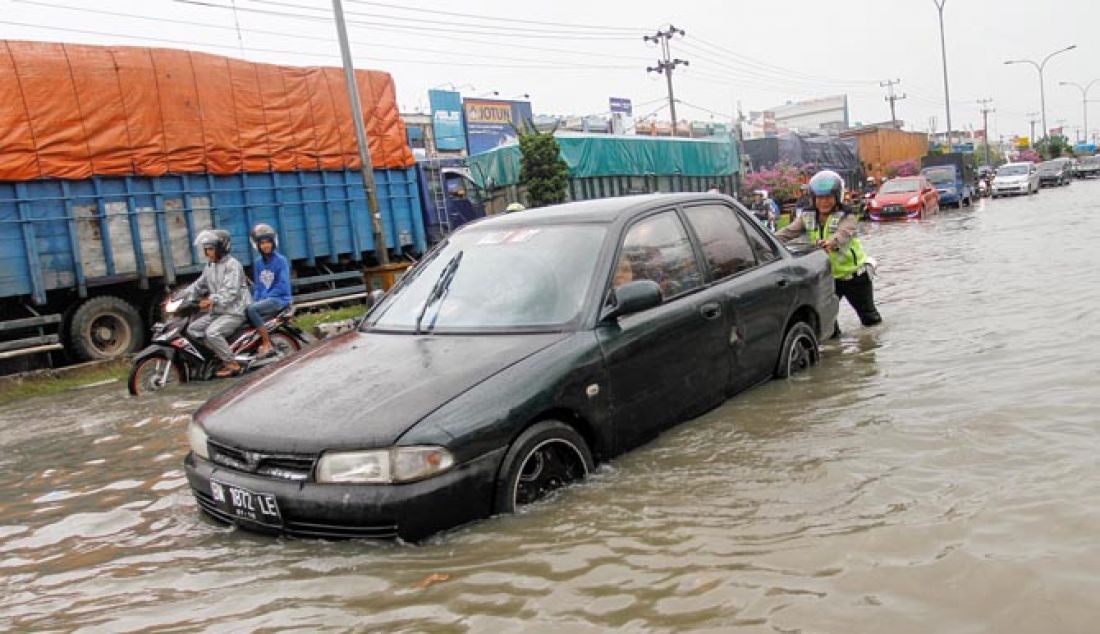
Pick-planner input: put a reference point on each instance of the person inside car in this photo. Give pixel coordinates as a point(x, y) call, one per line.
point(271, 279)
point(833, 227)
point(223, 288)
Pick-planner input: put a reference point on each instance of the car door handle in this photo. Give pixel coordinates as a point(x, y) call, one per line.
point(783, 282)
point(711, 310)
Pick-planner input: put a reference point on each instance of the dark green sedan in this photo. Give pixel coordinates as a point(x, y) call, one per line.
point(512, 359)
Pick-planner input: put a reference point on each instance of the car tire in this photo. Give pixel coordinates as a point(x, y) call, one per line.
point(105, 327)
point(547, 456)
point(799, 352)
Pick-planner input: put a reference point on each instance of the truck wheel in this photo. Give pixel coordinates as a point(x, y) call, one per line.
point(105, 327)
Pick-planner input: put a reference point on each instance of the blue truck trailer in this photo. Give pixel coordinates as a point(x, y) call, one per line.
point(85, 263)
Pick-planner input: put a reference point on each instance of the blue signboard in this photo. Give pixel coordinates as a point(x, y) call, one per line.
point(447, 119)
point(491, 123)
point(621, 105)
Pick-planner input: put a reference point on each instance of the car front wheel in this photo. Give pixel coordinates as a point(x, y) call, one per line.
point(799, 353)
point(547, 456)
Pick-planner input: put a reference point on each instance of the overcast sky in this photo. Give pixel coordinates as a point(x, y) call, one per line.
point(570, 56)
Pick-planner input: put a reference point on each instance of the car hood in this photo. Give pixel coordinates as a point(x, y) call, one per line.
point(359, 390)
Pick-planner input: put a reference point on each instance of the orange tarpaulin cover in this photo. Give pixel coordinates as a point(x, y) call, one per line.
point(74, 111)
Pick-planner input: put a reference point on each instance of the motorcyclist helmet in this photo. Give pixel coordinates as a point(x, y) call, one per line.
point(217, 238)
point(262, 232)
point(828, 183)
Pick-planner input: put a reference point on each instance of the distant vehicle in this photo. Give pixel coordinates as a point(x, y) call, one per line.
point(516, 355)
point(952, 177)
point(1016, 178)
point(904, 198)
point(1088, 167)
point(1055, 172)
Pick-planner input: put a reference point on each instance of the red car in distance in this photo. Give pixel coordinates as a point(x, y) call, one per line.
point(904, 198)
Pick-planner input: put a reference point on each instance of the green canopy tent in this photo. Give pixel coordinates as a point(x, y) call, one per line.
point(606, 165)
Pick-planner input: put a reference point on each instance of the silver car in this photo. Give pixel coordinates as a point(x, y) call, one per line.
point(1016, 178)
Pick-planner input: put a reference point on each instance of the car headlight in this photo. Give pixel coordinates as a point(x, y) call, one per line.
point(197, 437)
point(383, 466)
point(913, 201)
point(950, 191)
point(875, 204)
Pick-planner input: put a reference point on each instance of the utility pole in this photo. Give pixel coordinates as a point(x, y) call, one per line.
point(666, 64)
point(891, 97)
point(381, 248)
point(943, 51)
point(984, 103)
point(1032, 119)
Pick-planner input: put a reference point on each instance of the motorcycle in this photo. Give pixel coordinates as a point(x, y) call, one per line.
point(983, 188)
point(175, 357)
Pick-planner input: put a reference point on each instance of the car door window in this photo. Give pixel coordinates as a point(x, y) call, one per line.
point(657, 248)
point(725, 245)
point(765, 251)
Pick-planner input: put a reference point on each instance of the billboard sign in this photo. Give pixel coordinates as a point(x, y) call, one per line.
point(446, 108)
point(491, 123)
point(621, 105)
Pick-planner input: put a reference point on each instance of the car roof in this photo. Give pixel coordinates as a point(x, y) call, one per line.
point(602, 210)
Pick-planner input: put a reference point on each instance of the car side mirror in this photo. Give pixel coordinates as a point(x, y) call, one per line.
point(633, 297)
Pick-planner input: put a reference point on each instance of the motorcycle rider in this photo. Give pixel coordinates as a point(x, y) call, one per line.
point(833, 227)
point(271, 280)
point(765, 209)
point(224, 291)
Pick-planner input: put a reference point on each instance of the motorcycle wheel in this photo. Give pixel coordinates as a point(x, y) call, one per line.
point(152, 374)
point(284, 344)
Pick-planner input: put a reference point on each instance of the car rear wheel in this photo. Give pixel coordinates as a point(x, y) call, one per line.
point(799, 352)
point(547, 456)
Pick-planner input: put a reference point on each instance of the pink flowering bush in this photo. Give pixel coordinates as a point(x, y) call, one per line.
point(782, 182)
point(1030, 156)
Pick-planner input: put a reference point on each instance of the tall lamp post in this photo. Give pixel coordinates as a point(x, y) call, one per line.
point(1042, 91)
point(1084, 101)
point(943, 51)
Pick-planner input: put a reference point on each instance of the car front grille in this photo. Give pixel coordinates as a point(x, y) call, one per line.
point(383, 529)
point(285, 466)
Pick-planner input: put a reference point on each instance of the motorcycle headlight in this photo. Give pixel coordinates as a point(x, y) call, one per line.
point(197, 438)
point(383, 466)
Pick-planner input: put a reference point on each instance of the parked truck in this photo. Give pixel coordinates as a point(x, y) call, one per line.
point(114, 158)
point(953, 177)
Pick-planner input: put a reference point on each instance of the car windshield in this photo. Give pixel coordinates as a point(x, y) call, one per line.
point(491, 278)
point(940, 175)
point(900, 186)
point(1013, 170)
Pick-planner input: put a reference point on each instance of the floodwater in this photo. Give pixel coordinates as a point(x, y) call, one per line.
point(938, 473)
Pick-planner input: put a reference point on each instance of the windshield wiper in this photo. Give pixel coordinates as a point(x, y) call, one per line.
point(440, 287)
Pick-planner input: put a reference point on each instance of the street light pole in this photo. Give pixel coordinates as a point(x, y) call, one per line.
point(381, 248)
point(1042, 91)
point(943, 52)
point(1084, 102)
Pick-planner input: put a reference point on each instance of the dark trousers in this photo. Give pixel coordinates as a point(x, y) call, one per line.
point(861, 295)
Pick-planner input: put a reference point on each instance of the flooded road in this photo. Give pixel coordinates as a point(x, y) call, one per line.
point(938, 473)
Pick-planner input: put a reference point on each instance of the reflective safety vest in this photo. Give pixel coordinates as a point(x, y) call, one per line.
point(847, 263)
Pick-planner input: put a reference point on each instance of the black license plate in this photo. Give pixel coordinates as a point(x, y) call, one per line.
point(249, 505)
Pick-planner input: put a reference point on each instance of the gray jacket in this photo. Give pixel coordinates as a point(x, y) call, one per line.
point(225, 283)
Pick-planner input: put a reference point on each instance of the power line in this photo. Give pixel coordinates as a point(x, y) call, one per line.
point(403, 60)
point(282, 34)
point(399, 27)
point(777, 69)
point(509, 20)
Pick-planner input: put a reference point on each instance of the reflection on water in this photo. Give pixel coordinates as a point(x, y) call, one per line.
point(937, 473)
